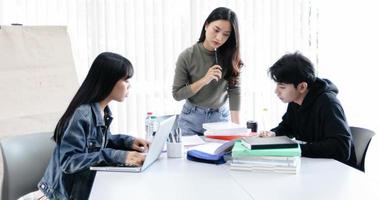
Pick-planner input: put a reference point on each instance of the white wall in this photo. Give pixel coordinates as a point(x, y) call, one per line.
point(348, 55)
point(152, 33)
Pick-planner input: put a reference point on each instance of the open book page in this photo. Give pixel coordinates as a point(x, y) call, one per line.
point(214, 147)
point(209, 147)
point(192, 140)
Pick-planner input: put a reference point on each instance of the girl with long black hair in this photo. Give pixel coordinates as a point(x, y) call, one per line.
point(82, 134)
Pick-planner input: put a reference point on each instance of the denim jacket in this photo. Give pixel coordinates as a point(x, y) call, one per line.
point(86, 142)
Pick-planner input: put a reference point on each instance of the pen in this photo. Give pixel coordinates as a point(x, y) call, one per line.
point(216, 59)
point(170, 138)
point(175, 136)
point(179, 135)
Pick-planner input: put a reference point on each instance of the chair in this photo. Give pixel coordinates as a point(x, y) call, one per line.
point(361, 140)
point(25, 158)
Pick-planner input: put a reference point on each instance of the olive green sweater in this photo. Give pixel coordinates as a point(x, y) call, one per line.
point(193, 63)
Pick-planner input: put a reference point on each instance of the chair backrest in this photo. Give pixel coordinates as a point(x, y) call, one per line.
point(361, 140)
point(25, 158)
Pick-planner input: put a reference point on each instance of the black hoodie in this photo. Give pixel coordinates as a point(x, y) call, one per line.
point(320, 121)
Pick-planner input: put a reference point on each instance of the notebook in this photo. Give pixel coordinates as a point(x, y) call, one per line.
point(225, 130)
point(268, 142)
point(239, 150)
point(154, 152)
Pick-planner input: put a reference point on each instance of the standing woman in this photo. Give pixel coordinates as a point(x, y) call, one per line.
point(82, 134)
point(207, 74)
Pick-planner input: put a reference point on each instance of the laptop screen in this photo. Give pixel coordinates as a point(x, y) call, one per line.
point(159, 140)
point(165, 127)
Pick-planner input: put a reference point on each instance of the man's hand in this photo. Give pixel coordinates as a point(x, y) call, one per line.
point(266, 134)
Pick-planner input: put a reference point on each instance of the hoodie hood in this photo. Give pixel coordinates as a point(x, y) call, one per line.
point(319, 87)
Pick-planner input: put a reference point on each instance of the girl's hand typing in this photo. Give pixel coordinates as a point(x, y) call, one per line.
point(134, 158)
point(140, 145)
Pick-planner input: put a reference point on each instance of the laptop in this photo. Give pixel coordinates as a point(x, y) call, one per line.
point(165, 127)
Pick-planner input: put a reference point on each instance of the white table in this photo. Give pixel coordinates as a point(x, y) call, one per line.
point(183, 179)
point(317, 179)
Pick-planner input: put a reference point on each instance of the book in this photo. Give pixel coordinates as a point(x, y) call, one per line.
point(226, 136)
point(212, 152)
point(224, 128)
point(240, 150)
point(268, 142)
point(279, 160)
point(192, 140)
point(237, 131)
point(266, 160)
point(267, 168)
point(214, 147)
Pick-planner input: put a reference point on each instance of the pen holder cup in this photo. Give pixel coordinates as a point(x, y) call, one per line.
point(174, 150)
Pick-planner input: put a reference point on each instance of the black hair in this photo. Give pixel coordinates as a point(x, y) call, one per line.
point(230, 50)
point(293, 68)
point(105, 71)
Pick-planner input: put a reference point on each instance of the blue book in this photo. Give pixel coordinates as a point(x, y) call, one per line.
point(200, 156)
point(210, 152)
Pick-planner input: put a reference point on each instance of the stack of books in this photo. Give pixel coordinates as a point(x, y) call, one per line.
point(271, 154)
point(225, 130)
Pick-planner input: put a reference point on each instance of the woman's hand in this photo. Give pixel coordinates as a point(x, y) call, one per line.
point(214, 73)
point(140, 145)
point(134, 158)
point(266, 134)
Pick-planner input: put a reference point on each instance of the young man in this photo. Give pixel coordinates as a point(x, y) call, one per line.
point(314, 114)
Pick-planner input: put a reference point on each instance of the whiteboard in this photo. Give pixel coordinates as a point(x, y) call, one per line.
point(37, 78)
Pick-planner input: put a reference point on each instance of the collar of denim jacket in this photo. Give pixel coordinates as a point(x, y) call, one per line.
point(98, 117)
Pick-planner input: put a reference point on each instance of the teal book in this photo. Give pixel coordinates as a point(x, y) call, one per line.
point(240, 150)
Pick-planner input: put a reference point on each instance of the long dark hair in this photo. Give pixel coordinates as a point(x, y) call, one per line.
point(105, 71)
point(230, 50)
